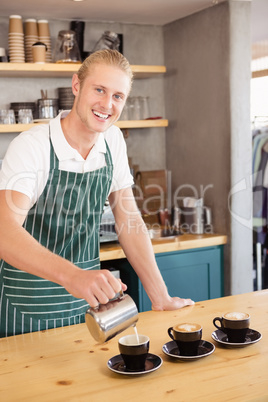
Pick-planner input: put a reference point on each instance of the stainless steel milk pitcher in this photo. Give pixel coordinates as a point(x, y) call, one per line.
point(108, 320)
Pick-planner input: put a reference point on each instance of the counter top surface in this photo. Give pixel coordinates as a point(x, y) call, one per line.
point(111, 251)
point(66, 364)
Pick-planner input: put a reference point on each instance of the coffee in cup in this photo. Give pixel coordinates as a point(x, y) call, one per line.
point(134, 351)
point(235, 325)
point(187, 337)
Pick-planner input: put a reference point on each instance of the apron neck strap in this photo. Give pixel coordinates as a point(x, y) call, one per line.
point(54, 162)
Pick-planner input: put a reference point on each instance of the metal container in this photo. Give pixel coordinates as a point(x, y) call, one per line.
point(48, 108)
point(108, 40)
point(108, 320)
point(194, 220)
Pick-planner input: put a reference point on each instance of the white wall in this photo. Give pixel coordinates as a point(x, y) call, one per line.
point(241, 148)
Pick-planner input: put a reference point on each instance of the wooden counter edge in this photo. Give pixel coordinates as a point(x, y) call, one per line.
point(113, 251)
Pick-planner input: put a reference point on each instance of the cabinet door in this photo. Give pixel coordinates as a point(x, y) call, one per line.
point(195, 274)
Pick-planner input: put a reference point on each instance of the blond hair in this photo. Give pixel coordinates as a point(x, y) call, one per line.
point(108, 57)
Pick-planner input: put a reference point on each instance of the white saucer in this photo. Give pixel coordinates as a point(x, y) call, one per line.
point(116, 364)
point(204, 349)
point(221, 338)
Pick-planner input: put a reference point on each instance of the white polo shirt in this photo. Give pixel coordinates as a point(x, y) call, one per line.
point(26, 164)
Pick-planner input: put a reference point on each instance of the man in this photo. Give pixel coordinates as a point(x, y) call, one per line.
point(54, 181)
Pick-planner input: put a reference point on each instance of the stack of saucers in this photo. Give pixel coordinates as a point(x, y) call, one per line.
point(66, 98)
point(31, 37)
point(16, 40)
point(44, 37)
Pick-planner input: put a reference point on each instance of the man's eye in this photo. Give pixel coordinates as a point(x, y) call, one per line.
point(118, 97)
point(99, 90)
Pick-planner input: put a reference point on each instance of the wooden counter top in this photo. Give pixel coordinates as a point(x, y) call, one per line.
point(113, 251)
point(66, 364)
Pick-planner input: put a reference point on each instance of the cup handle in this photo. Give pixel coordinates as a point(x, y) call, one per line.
point(170, 333)
point(220, 320)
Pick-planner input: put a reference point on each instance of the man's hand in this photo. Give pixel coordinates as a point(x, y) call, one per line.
point(96, 286)
point(173, 303)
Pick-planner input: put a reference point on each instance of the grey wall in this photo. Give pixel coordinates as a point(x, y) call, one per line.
point(208, 139)
point(197, 105)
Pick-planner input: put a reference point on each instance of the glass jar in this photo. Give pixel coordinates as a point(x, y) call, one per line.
point(134, 108)
point(125, 112)
point(7, 116)
point(25, 116)
point(66, 49)
point(144, 105)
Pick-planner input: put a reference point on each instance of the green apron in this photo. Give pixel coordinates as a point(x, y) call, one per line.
point(65, 219)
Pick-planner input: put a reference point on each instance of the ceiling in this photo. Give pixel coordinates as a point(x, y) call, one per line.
point(156, 12)
point(152, 12)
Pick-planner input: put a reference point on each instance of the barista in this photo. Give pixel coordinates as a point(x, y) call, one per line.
point(54, 181)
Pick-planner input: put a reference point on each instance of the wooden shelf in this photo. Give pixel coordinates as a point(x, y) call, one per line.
point(17, 128)
point(260, 73)
point(147, 71)
point(32, 70)
point(142, 123)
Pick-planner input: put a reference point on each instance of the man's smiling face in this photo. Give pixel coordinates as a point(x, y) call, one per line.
point(101, 98)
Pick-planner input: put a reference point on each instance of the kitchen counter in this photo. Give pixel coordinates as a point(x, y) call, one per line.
point(192, 267)
point(66, 364)
point(113, 251)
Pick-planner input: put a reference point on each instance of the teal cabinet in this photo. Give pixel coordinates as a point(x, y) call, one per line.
point(195, 274)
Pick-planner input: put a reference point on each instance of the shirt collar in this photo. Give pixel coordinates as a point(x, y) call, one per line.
point(63, 149)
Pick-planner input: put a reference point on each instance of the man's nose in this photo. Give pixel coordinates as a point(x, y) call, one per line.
point(107, 101)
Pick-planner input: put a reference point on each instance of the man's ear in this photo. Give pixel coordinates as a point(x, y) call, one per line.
point(75, 85)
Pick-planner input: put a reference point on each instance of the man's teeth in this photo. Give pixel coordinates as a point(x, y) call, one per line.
point(101, 115)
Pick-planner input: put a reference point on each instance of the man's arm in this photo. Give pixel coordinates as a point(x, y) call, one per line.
point(21, 250)
point(136, 243)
